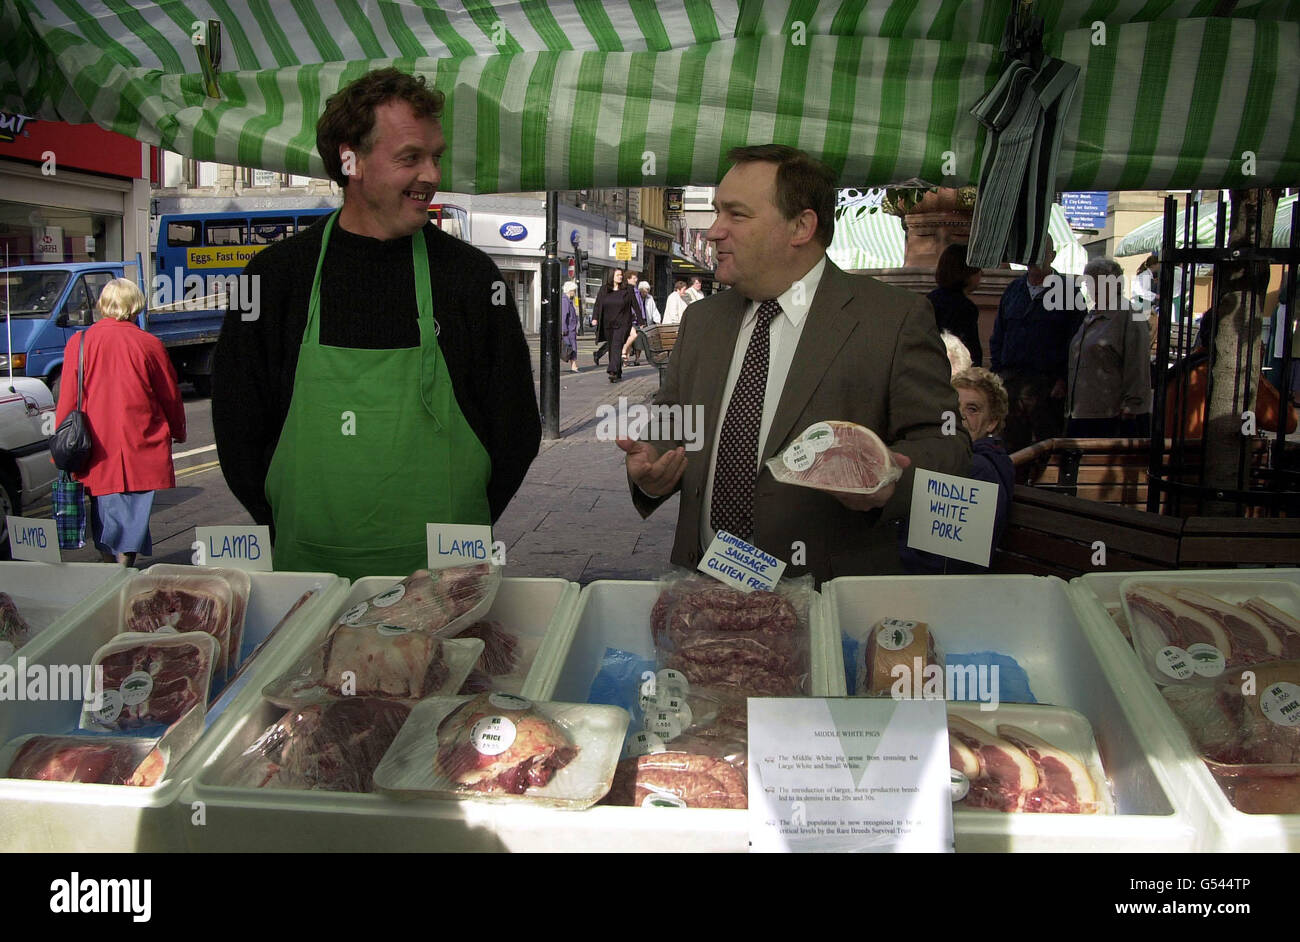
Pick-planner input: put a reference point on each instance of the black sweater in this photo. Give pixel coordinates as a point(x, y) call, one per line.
point(368, 301)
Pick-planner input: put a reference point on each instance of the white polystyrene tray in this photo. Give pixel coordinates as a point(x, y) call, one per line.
point(70, 816)
point(1066, 729)
point(61, 594)
point(1031, 619)
point(1219, 825)
point(269, 819)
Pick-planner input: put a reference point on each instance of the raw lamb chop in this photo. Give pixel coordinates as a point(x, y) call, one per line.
point(699, 781)
point(1286, 627)
point(1006, 775)
point(424, 600)
point(1173, 622)
point(181, 604)
point(485, 747)
point(856, 461)
point(407, 665)
point(1064, 785)
point(179, 672)
point(332, 747)
point(1252, 639)
point(91, 760)
point(13, 629)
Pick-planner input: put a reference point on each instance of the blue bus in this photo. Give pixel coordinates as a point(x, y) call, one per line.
point(222, 243)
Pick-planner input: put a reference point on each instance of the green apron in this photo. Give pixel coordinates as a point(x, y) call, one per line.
point(374, 447)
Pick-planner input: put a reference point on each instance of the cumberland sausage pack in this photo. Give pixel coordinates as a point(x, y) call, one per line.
point(836, 456)
point(757, 643)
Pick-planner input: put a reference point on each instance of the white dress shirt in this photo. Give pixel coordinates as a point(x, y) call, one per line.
point(785, 333)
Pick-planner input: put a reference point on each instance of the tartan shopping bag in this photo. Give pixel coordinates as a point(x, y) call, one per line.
point(69, 499)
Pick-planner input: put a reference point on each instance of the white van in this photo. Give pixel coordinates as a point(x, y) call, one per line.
point(26, 471)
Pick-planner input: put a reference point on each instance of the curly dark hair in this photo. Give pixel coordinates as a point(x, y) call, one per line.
point(349, 116)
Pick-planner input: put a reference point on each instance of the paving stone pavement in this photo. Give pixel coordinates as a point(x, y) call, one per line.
point(573, 517)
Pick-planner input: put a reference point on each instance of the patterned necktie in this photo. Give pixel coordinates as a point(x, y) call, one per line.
point(737, 468)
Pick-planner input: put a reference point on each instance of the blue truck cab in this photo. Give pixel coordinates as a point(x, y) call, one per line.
point(47, 304)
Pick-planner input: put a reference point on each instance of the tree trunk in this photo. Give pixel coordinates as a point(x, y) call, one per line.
point(1227, 448)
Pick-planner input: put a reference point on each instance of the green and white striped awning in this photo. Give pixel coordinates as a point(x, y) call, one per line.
point(1150, 235)
point(877, 240)
point(574, 94)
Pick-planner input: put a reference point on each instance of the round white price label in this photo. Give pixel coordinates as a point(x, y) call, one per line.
point(1174, 662)
point(390, 597)
point(661, 799)
point(392, 631)
point(136, 688)
point(958, 784)
point(669, 679)
point(508, 701)
point(111, 710)
point(642, 744)
point(894, 637)
point(1206, 659)
point(799, 456)
point(353, 615)
point(1281, 703)
point(663, 724)
point(819, 437)
point(679, 706)
point(493, 735)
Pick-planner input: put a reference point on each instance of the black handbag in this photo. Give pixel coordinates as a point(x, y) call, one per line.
point(70, 444)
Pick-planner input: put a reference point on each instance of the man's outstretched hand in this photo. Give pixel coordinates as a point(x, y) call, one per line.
point(656, 474)
point(878, 499)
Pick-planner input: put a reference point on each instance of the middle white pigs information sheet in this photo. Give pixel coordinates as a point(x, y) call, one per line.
point(849, 774)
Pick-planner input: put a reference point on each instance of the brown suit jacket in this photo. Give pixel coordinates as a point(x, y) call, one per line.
point(869, 353)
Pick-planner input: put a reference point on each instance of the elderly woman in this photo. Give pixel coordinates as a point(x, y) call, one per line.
point(1109, 385)
point(134, 411)
point(983, 406)
point(569, 326)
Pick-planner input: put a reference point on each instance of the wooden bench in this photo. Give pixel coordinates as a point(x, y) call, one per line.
point(1050, 534)
point(660, 340)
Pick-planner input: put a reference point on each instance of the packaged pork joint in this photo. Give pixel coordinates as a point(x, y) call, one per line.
point(1186, 634)
point(836, 456)
point(499, 747)
point(895, 643)
point(755, 642)
point(399, 644)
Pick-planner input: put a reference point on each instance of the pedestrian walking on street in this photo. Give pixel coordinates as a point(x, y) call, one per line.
point(613, 321)
point(134, 411)
point(954, 311)
point(677, 302)
point(570, 327)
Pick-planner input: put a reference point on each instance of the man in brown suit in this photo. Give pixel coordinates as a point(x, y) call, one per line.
point(835, 346)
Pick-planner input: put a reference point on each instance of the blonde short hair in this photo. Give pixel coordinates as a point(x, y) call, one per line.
point(958, 356)
point(990, 384)
point(121, 300)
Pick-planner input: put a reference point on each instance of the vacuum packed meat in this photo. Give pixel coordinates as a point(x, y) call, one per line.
point(498, 744)
point(678, 778)
point(171, 603)
point(1006, 775)
point(720, 636)
point(152, 679)
point(241, 587)
point(893, 643)
point(88, 759)
point(836, 456)
point(1251, 638)
point(500, 648)
point(1286, 626)
point(1064, 785)
point(332, 746)
point(14, 631)
point(375, 661)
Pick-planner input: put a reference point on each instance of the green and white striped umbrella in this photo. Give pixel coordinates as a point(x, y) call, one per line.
point(573, 93)
point(1150, 235)
point(877, 240)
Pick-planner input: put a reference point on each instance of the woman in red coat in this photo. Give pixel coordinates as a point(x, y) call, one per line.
point(134, 411)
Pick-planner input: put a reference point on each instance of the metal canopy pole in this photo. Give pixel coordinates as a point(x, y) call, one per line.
point(550, 339)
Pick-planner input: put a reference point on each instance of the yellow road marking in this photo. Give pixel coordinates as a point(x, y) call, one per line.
point(198, 468)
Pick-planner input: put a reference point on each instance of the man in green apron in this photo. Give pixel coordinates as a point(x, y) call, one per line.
point(384, 382)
